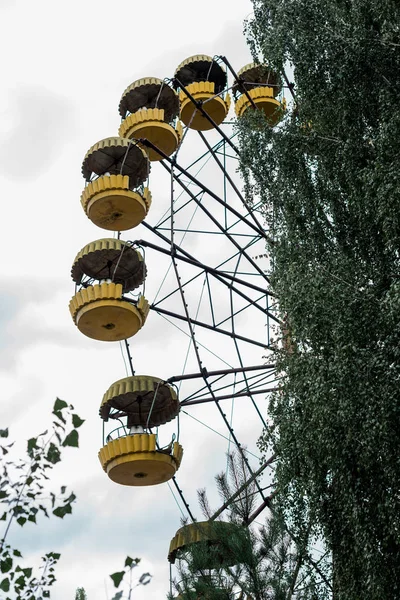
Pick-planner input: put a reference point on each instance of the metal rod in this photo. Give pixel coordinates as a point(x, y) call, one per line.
point(219, 372)
point(265, 504)
point(238, 80)
point(179, 490)
point(242, 487)
point(129, 357)
point(229, 396)
point(183, 498)
point(250, 391)
point(202, 156)
point(191, 322)
point(267, 378)
point(192, 261)
point(163, 311)
point(258, 229)
point(255, 383)
point(239, 194)
point(201, 185)
point(250, 301)
point(264, 424)
point(219, 226)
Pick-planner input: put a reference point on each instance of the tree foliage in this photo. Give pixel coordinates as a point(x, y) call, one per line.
point(24, 495)
point(125, 579)
point(253, 562)
point(329, 178)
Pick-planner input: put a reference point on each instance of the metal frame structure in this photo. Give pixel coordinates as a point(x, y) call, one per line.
point(239, 274)
point(235, 275)
point(210, 243)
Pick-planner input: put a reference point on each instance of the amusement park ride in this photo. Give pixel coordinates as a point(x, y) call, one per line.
point(207, 238)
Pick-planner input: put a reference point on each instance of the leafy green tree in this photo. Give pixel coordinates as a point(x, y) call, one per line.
point(329, 178)
point(125, 579)
point(24, 494)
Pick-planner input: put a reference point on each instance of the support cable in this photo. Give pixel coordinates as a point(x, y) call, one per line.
point(256, 382)
point(214, 398)
point(200, 344)
point(220, 227)
point(264, 424)
point(221, 276)
point(216, 432)
point(188, 258)
point(176, 501)
point(227, 176)
point(178, 489)
point(170, 313)
point(230, 429)
point(194, 180)
point(250, 301)
point(258, 229)
point(219, 372)
point(192, 334)
point(190, 341)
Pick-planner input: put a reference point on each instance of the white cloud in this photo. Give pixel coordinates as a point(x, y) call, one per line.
point(39, 123)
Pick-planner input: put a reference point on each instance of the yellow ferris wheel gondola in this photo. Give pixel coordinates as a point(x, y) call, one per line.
point(145, 400)
point(262, 85)
point(221, 543)
point(99, 310)
point(116, 199)
point(100, 313)
point(135, 460)
point(110, 258)
point(201, 79)
point(149, 108)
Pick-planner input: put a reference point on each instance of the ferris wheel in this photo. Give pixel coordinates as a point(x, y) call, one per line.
point(187, 252)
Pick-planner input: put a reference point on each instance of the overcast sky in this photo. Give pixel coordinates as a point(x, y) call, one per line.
point(64, 68)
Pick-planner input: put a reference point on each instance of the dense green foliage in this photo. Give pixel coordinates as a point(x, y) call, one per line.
point(329, 177)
